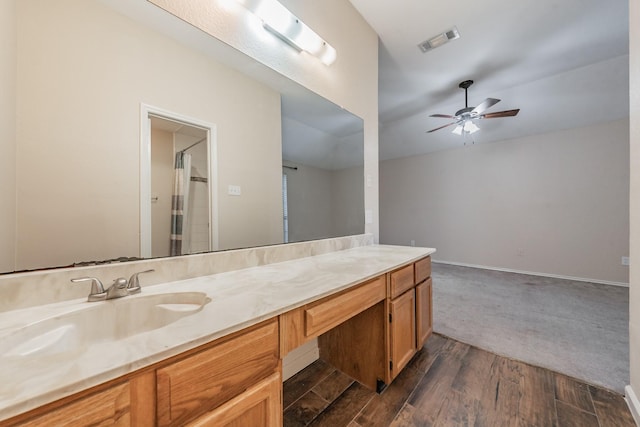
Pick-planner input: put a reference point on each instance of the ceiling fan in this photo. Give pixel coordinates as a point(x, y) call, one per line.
point(463, 119)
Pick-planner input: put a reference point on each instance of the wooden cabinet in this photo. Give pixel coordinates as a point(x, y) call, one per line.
point(369, 331)
point(110, 407)
point(307, 322)
point(325, 315)
point(196, 384)
point(237, 379)
point(120, 403)
point(422, 269)
point(260, 405)
point(410, 314)
point(402, 331)
point(373, 339)
point(401, 281)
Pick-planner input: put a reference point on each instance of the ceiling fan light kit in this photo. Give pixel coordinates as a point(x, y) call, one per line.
point(464, 118)
point(468, 127)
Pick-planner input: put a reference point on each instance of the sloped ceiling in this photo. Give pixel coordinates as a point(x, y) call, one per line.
point(563, 63)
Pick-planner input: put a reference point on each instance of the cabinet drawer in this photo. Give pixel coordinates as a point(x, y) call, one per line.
point(332, 311)
point(110, 407)
point(207, 379)
point(423, 269)
point(401, 280)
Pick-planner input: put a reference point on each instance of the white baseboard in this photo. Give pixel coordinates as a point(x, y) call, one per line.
point(533, 273)
point(299, 358)
point(633, 402)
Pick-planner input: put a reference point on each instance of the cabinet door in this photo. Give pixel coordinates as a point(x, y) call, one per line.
point(424, 314)
point(209, 378)
point(402, 311)
point(260, 405)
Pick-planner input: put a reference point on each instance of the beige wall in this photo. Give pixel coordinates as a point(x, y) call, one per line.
point(324, 203)
point(7, 134)
point(78, 131)
point(634, 279)
point(351, 82)
point(308, 202)
point(555, 203)
point(347, 201)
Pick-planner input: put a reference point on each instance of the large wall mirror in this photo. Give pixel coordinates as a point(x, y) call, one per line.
point(282, 165)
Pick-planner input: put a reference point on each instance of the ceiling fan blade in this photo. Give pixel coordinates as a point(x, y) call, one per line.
point(497, 114)
point(444, 116)
point(487, 103)
point(438, 128)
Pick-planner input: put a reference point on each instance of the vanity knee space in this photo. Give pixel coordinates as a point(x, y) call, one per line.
point(370, 331)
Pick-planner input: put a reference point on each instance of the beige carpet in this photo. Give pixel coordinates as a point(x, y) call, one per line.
point(576, 328)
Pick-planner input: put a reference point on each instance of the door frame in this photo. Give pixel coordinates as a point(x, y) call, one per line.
point(146, 111)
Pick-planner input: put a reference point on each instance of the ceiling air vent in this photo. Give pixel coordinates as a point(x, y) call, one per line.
point(439, 40)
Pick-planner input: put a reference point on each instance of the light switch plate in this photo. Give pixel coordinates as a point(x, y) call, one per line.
point(368, 216)
point(235, 190)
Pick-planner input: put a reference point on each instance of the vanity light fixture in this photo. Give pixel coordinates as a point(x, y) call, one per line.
point(286, 26)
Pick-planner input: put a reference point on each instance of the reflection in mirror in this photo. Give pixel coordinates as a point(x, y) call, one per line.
point(83, 68)
point(323, 174)
point(180, 202)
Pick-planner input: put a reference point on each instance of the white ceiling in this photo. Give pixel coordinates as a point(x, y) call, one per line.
point(564, 63)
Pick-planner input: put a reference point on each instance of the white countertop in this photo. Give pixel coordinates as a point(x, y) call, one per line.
point(238, 299)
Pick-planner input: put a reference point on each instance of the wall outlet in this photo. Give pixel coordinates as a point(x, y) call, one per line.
point(625, 260)
point(235, 190)
point(413, 243)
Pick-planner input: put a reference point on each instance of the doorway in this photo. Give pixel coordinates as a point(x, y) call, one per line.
point(178, 185)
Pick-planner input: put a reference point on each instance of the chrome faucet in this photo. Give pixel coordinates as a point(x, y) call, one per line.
point(118, 289)
point(121, 287)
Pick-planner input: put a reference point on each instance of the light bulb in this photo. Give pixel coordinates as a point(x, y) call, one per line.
point(278, 20)
point(275, 15)
point(470, 127)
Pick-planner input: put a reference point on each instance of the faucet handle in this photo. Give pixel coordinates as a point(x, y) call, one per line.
point(97, 290)
point(133, 286)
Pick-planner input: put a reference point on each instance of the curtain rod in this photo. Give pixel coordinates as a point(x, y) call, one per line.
point(193, 145)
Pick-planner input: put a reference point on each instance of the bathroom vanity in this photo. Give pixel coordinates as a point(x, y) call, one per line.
point(369, 307)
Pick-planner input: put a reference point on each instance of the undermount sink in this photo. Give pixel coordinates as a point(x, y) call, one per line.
point(102, 321)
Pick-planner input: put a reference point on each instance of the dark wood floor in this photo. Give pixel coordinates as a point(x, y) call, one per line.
point(449, 383)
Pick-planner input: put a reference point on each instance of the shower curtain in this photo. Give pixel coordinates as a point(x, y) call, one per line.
point(180, 202)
